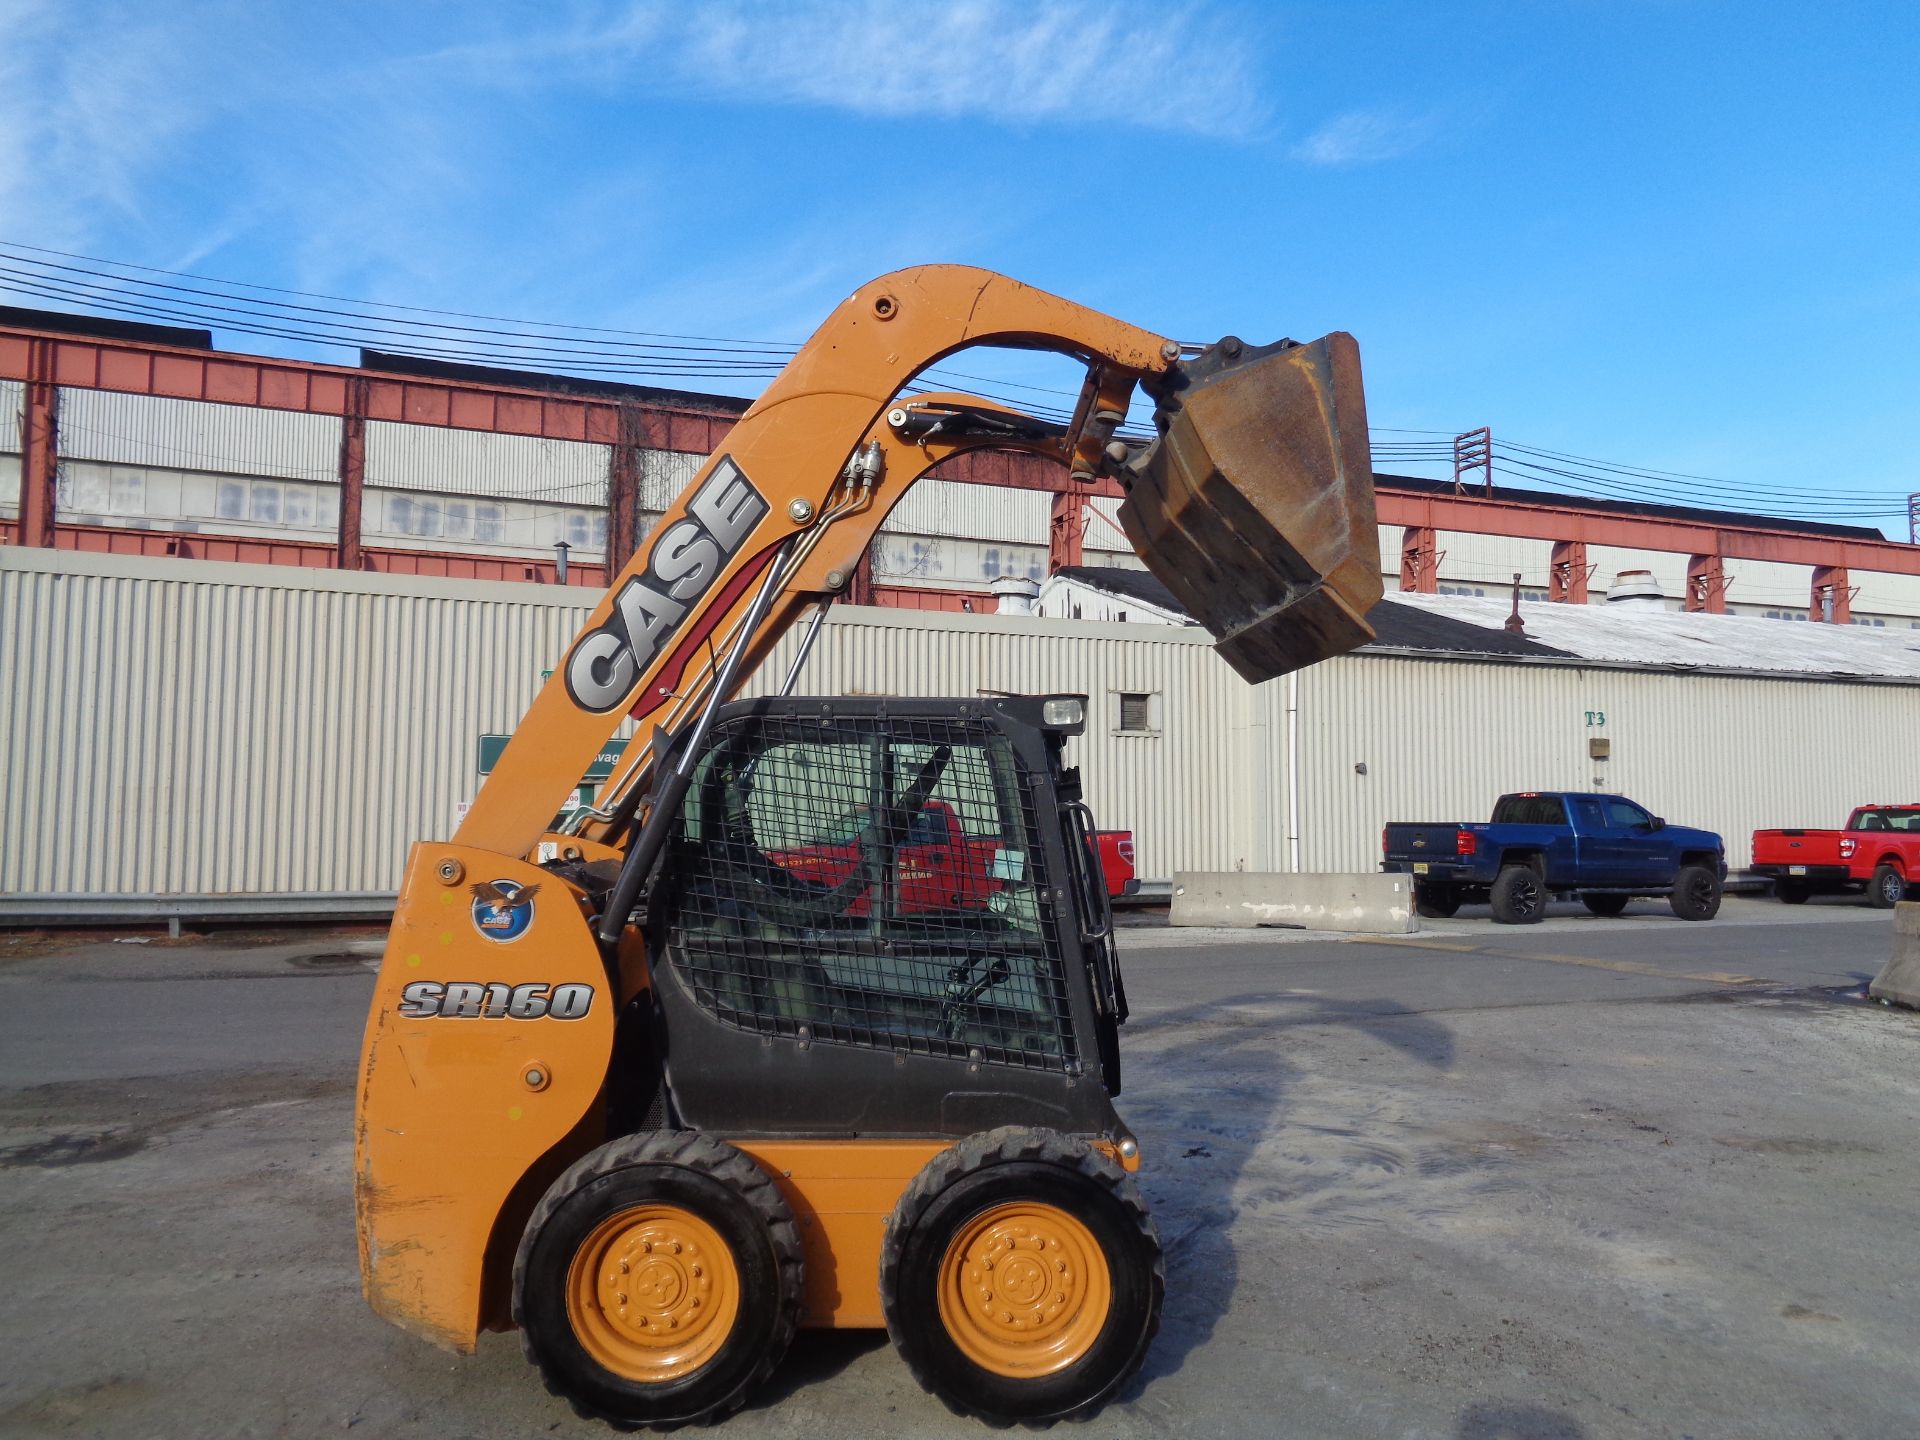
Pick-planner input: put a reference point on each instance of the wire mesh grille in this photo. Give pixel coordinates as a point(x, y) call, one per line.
point(876, 879)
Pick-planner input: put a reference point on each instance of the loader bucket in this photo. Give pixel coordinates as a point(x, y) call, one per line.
point(1255, 504)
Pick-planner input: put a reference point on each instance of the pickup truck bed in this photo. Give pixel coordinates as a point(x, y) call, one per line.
point(1876, 854)
point(1542, 844)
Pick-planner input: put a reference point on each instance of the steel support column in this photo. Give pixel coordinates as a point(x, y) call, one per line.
point(39, 449)
point(624, 465)
point(1419, 561)
point(353, 475)
point(1706, 584)
point(1066, 529)
point(860, 586)
point(1832, 597)
point(1568, 573)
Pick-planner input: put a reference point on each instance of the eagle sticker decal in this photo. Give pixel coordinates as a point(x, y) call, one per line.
point(503, 909)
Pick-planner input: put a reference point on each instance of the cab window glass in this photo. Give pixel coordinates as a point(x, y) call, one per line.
point(1625, 815)
point(876, 880)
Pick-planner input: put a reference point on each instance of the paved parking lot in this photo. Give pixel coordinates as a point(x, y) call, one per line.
point(1584, 1179)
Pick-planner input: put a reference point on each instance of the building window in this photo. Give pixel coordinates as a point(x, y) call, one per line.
point(266, 503)
point(489, 524)
point(1136, 714)
point(297, 506)
point(233, 500)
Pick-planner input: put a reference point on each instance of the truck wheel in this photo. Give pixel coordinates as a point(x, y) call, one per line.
point(1887, 888)
point(1608, 905)
point(658, 1281)
point(1791, 892)
point(1519, 897)
point(1021, 1277)
point(1436, 902)
point(1696, 893)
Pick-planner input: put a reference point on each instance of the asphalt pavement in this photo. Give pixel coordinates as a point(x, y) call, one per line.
point(1588, 1178)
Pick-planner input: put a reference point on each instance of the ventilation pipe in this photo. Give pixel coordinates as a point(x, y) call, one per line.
point(1636, 590)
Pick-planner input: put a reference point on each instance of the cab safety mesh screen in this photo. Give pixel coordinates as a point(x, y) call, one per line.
point(878, 880)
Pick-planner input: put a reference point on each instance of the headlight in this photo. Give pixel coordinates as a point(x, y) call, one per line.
point(1064, 714)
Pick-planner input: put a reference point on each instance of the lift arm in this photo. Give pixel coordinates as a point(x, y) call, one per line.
point(790, 487)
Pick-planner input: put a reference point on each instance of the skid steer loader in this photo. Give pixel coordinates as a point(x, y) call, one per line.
point(813, 1019)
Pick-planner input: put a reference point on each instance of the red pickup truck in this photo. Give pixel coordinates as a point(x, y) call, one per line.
point(939, 866)
point(1876, 852)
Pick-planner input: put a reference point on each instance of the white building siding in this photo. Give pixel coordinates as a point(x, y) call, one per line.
point(146, 430)
point(178, 727)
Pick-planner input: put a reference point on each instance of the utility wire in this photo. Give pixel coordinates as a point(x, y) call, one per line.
point(339, 322)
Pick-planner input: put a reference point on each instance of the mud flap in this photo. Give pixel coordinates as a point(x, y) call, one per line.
point(1255, 504)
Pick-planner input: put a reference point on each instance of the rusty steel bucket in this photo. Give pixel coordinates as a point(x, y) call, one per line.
point(1255, 504)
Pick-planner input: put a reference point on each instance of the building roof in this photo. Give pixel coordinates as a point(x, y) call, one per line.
point(1611, 635)
point(1507, 495)
point(1126, 582)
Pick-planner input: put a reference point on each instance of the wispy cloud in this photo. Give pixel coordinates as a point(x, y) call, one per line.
point(85, 110)
point(1172, 67)
point(1366, 137)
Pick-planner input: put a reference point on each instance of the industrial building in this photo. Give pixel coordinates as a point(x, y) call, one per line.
point(260, 614)
point(241, 738)
point(141, 439)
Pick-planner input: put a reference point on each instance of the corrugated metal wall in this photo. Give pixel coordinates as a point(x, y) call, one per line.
point(12, 397)
point(1442, 740)
point(480, 462)
point(195, 435)
point(174, 727)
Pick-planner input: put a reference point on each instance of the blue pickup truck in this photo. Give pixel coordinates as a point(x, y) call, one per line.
point(1554, 843)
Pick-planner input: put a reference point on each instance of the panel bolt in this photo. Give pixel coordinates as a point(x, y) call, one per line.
point(537, 1077)
point(1170, 350)
point(800, 510)
point(450, 871)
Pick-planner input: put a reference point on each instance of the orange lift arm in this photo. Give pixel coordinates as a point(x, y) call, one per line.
point(779, 516)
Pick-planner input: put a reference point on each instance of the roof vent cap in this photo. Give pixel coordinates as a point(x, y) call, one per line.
point(1636, 590)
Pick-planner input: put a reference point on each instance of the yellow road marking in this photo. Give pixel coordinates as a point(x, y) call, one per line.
point(1623, 967)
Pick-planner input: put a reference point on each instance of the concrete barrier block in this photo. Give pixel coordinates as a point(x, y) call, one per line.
point(1899, 979)
point(1370, 904)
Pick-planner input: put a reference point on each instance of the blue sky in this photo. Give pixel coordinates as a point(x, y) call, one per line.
point(1680, 235)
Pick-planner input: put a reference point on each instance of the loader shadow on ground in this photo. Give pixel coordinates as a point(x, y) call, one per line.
point(1235, 1097)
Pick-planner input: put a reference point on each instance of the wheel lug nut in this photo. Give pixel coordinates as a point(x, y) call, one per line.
point(624, 1267)
point(696, 1272)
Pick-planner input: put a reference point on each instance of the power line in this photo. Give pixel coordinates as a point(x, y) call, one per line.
point(339, 322)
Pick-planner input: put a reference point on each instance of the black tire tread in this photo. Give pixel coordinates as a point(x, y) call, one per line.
point(708, 1156)
point(1008, 1145)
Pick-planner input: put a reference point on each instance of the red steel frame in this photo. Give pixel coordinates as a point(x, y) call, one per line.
point(46, 361)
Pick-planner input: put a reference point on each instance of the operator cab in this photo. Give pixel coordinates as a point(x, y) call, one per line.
point(853, 880)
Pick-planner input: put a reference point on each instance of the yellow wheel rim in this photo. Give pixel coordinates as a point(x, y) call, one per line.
point(653, 1293)
point(1024, 1290)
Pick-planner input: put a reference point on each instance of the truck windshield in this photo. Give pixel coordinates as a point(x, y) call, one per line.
point(1530, 810)
point(1888, 817)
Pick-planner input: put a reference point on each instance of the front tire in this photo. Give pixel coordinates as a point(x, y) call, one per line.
point(1021, 1277)
point(1606, 905)
point(658, 1281)
point(1887, 888)
point(1519, 897)
point(1696, 892)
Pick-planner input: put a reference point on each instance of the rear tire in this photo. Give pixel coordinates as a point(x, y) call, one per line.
point(1696, 893)
point(1436, 902)
point(1050, 1332)
point(1607, 905)
point(1519, 897)
point(658, 1280)
point(1887, 888)
point(1791, 892)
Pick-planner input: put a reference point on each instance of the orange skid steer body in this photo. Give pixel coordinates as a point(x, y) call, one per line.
point(635, 1088)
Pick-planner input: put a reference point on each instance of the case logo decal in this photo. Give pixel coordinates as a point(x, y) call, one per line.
point(474, 1000)
point(682, 565)
point(503, 909)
